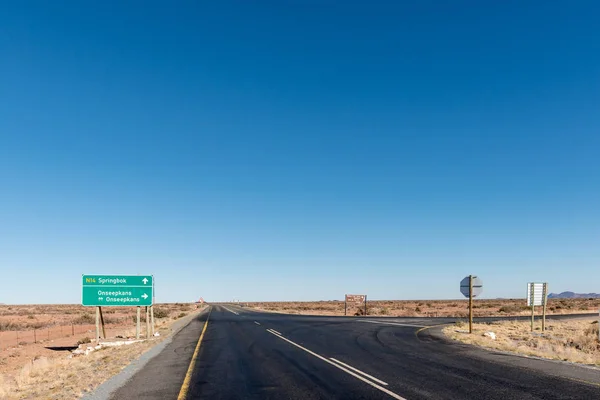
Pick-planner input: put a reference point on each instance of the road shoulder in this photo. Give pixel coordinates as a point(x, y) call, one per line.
point(562, 369)
point(109, 387)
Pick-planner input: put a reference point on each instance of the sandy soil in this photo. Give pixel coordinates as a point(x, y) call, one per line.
point(572, 340)
point(21, 364)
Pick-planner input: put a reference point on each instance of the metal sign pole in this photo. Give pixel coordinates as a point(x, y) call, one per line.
point(365, 304)
point(545, 300)
point(470, 303)
point(532, 297)
point(345, 305)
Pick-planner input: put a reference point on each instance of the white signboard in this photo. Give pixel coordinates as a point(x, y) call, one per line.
point(536, 294)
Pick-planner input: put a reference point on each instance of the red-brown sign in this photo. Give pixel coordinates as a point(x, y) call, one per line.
point(356, 298)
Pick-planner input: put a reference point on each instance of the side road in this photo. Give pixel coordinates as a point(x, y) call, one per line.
point(561, 369)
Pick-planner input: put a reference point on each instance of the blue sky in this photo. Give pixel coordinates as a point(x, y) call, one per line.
point(299, 150)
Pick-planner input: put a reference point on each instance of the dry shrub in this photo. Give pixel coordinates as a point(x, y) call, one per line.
point(85, 319)
point(84, 340)
point(160, 313)
point(574, 340)
point(70, 378)
point(5, 387)
point(424, 308)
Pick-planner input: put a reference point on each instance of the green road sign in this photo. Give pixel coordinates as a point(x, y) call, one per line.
point(117, 290)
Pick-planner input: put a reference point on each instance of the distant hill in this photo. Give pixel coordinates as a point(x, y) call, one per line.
point(571, 295)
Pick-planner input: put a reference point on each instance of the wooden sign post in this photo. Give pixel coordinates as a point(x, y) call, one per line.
point(545, 298)
point(531, 293)
point(147, 323)
point(537, 295)
point(470, 303)
point(152, 318)
point(471, 287)
point(137, 325)
point(97, 324)
point(102, 323)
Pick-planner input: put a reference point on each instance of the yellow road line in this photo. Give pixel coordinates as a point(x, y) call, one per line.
point(429, 327)
point(582, 381)
point(188, 376)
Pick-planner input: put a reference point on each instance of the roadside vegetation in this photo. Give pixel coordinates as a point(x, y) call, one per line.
point(428, 308)
point(574, 340)
point(34, 371)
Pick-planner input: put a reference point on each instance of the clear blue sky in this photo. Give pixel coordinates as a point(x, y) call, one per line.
point(299, 150)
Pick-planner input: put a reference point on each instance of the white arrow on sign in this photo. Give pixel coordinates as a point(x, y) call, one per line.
point(100, 298)
point(145, 280)
point(145, 296)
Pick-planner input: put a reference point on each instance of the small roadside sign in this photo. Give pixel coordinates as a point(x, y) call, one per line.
point(356, 299)
point(535, 294)
point(471, 287)
point(477, 286)
point(117, 290)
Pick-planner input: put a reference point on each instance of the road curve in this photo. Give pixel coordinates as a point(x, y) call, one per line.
point(253, 355)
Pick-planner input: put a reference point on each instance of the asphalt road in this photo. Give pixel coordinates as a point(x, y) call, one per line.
point(252, 355)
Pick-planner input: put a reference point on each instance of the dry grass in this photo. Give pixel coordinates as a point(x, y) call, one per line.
point(69, 378)
point(428, 308)
point(44, 374)
point(572, 340)
point(26, 317)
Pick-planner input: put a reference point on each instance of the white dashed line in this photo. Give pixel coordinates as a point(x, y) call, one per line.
point(256, 323)
point(346, 370)
point(358, 371)
point(231, 311)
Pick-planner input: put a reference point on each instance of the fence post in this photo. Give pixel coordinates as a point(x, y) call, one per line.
point(48, 333)
point(34, 337)
point(72, 329)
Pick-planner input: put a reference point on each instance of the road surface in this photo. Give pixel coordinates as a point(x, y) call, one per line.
point(253, 355)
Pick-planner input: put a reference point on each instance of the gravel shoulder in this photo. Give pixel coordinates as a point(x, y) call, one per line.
point(66, 376)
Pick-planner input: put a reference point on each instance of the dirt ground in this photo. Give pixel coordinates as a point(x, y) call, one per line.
point(28, 317)
point(20, 363)
point(428, 308)
point(572, 340)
